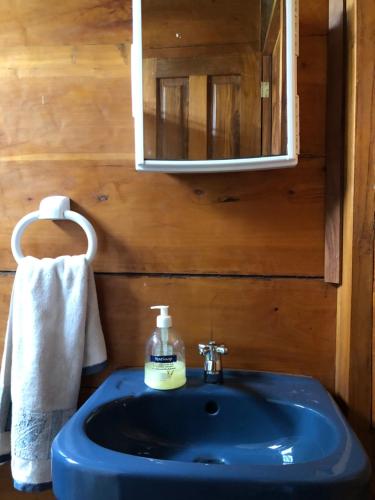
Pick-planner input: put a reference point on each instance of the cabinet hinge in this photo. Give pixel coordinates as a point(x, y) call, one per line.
point(264, 90)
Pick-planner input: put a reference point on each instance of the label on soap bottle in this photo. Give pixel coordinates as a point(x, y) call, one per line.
point(165, 372)
point(164, 366)
point(164, 359)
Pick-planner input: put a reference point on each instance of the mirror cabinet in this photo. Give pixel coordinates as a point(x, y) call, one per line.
point(214, 84)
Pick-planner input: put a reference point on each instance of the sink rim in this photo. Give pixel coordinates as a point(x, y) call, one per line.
point(73, 445)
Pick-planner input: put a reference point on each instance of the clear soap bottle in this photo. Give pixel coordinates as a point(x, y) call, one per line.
point(165, 355)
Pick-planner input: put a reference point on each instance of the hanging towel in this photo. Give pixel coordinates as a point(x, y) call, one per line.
point(53, 336)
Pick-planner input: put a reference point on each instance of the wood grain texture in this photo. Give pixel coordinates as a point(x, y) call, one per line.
point(250, 107)
point(277, 148)
point(29, 22)
point(67, 123)
point(335, 143)
point(279, 325)
point(215, 63)
point(312, 81)
point(33, 22)
point(313, 17)
point(197, 117)
point(167, 23)
point(218, 40)
point(65, 101)
point(7, 492)
point(77, 100)
point(172, 118)
point(355, 299)
point(266, 107)
point(266, 223)
point(224, 116)
point(149, 107)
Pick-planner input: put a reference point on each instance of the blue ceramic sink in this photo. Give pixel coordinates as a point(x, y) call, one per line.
point(257, 436)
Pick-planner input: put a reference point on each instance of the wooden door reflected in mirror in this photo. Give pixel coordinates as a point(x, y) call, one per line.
point(214, 79)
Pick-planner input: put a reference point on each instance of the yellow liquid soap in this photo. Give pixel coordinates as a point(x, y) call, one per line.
point(165, 375)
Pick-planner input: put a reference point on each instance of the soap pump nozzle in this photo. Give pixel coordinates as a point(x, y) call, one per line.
point(163, 320)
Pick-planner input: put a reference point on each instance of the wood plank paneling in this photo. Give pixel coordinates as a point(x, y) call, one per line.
point(335, 144)
point(172, 118)
point(250, 108)
point(313, 17)
point(266, 223)
point(216, 64)
point(197, 117)
point(266, 108)
point(33, 22)
point(279, 325)
point(224, 96)
point(167, 23)
point(77, 100)
point(355, 297)
point(29, 22)
point(8, 493)
point(277, 99)
point(67, 122)
point(149, 107)
point(312, 81)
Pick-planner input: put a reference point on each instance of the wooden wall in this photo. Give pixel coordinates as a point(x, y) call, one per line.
point(239, 257)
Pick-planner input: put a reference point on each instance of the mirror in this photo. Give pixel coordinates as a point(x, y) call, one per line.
point(214, 84)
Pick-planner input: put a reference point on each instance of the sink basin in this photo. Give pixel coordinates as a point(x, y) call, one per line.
point(259, 435)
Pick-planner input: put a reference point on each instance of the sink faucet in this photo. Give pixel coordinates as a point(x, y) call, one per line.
point(213, 370)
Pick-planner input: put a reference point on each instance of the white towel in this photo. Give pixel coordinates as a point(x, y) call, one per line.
point(53, 334)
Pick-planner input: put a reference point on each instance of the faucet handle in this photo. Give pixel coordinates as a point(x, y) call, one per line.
point(212, 347)
point(222, 349)
point(203, 349)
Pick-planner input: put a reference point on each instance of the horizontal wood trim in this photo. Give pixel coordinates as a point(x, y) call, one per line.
point(266, 223)
point(199, 51)
point(209, 65)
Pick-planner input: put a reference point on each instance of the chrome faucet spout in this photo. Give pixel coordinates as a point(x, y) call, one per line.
point(213, 370)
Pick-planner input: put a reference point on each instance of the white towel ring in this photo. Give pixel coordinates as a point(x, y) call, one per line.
point(54, 208)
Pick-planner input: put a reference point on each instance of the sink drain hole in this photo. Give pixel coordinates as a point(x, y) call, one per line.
point(212, 408)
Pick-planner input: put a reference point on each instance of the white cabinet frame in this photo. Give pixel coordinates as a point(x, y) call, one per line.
point(230, 165)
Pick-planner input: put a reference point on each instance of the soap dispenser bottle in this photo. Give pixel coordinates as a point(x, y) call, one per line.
point(165, 355)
